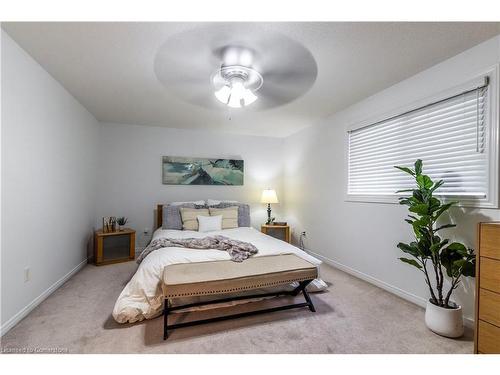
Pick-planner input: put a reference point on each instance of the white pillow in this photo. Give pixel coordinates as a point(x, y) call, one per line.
point(215, 202)
point(209, 223)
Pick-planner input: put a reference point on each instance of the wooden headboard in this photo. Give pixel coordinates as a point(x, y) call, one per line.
point(159, 215)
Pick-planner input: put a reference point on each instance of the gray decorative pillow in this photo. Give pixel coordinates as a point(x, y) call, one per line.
point(172, 215)
point(243, 212)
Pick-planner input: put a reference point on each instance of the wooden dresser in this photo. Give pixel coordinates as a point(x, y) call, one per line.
point(487, 333)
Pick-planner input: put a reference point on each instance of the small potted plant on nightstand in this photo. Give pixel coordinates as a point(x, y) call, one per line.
point(121, 221)
point(442, 316)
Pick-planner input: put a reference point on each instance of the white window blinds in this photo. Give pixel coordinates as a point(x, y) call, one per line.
point(449, 136)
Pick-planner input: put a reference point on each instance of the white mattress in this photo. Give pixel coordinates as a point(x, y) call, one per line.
point(142, 297)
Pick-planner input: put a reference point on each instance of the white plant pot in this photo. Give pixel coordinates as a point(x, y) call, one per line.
point(444, 322)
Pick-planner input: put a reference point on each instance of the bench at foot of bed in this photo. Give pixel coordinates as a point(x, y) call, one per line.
point(222, 277)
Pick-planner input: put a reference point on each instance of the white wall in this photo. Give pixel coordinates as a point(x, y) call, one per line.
point(130, 172)
point(362, 237)
point(49, 155)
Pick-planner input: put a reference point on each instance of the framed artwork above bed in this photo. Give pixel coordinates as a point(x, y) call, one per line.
point(201, 171)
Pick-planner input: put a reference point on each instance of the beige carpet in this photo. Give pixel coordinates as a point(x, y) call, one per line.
point(352, 317)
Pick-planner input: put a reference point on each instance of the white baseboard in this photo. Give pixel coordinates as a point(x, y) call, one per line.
point(28, 308)
point(417, 300)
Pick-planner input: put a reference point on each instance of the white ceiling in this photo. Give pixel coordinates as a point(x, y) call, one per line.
point(109, 68)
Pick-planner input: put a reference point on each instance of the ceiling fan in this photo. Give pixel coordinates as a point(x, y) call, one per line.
point(235, 64)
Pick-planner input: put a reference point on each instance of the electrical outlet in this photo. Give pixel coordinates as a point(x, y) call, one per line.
point(146, 231)
point(27, 274)
point(303, 233)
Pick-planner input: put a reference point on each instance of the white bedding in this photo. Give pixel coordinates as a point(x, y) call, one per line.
point(142, 296)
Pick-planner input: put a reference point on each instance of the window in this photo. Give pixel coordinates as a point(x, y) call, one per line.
point(450, 136)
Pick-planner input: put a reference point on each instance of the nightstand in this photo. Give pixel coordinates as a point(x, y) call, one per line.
point(281, 232)
point(114, 247)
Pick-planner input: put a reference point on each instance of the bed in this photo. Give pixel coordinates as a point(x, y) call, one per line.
point(142, 297)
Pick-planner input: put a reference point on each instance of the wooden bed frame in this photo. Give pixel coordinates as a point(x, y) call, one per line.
point(159, 215)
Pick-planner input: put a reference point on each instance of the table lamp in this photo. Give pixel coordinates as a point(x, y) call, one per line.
point(269, 196)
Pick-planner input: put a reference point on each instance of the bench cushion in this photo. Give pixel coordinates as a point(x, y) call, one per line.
point(219, 277)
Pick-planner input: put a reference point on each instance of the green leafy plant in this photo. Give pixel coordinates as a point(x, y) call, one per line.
point(121, 221)
point(425, 211)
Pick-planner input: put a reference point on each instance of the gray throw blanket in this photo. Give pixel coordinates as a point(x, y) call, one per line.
point(238, 250)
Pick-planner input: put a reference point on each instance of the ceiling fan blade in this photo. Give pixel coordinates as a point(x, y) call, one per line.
point(186, 63)
point(297, 79)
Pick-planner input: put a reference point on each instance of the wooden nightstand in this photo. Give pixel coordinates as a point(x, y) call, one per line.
point(114, 247)
point(281, 232)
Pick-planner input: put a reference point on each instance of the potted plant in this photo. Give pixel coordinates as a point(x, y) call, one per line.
point(430, 250)
point(121, 221)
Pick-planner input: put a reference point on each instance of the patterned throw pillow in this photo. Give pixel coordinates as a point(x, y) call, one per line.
point(189, 217)
point(243, 212)
point(172, 215)
point(196, 203)
point(229, 216)
point(215, 202)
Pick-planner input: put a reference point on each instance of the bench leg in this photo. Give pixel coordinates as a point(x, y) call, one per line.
point(308, 299)
point(302, 288)
point(165, 319)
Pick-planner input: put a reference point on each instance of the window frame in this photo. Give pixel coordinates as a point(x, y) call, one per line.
point(492, 128)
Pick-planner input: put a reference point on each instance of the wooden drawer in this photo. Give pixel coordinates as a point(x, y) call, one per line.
point(489, 341)
point(489, 277)
point(490, 241)
point(489, 307)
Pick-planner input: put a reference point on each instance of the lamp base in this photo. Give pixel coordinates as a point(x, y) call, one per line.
point(269, 219)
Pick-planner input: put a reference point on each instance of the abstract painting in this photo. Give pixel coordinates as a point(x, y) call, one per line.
point(200, 171)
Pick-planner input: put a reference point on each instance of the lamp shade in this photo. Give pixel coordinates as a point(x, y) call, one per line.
point(269, 196)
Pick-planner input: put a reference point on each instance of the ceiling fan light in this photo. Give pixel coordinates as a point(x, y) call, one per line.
point(249, 97)
point(237, 88)
point(236, 85)
point(223, 94)
point(234, 101)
